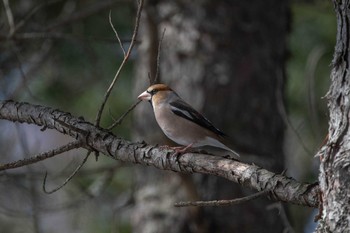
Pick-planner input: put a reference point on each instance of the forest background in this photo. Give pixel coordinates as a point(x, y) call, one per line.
point(71, 67)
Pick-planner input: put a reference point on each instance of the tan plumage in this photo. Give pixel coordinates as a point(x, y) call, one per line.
point(180, 122)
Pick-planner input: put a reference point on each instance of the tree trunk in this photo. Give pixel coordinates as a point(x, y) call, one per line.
point(335, 155)
point(226, 58)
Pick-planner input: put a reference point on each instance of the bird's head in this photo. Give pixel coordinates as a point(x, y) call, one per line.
point(158, 91)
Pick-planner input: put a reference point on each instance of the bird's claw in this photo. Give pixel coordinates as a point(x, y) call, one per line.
point(177, 149)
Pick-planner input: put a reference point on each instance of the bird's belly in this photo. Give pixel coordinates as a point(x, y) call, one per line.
point(170, 128)
point(173, 134)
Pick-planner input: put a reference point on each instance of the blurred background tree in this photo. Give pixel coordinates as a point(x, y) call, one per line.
point(227, 58)
point(64, 55)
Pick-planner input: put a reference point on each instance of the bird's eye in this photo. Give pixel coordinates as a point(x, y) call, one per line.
point(152, 92)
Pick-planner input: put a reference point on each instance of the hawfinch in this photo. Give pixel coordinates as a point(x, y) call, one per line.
point(180, 122)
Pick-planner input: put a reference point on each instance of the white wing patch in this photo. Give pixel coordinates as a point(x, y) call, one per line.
point(182, 111)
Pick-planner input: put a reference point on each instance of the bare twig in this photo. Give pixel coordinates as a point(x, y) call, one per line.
point(156, 77)
point(9, 16)
point(116, 33)
point(41, 156)
point(94, 189)
point(85, 172)
point(121, 118)
point(222, 202)
point(126, 57)
point(69, 177)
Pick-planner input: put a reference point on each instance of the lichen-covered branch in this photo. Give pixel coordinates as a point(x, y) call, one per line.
point(94, 138)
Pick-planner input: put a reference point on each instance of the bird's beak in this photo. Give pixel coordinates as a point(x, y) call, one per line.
point(144, 96)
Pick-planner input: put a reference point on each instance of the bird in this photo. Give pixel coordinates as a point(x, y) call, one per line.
point(182, 123)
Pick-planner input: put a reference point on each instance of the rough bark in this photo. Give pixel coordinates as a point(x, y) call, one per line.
point(226, 58)
point(97, 139)
point(335, 155)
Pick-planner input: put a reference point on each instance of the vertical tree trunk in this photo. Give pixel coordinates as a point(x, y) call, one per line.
point(335, 155)
point(227, 59)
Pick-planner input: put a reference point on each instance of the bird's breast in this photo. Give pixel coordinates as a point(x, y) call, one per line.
point(178, 129)
point(165, 119)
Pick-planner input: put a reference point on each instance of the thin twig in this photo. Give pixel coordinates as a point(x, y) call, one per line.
point(156, 78)
point(126, 57)
point(9, 16)
point(116, 33)
point(222, 202)
point(121, 118)
point(85, 172)
point(41, 156)
point(69, 177)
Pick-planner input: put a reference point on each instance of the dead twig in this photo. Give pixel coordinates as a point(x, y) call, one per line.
point(126, 57)
point(9, 16)
point(156, 77)
point(222, 202)
point(121, 118)
point(69, 177)
point(41, 156)
point(116, 33)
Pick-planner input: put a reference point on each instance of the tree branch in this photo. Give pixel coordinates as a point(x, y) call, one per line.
point(41, 156)
point(126, 58)
point(94, 138)
point(68, 179)
point(222, 202)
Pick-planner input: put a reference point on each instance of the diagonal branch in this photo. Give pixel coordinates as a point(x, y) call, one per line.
point(69, 177)
point(281, 188)
point(41, 156)
point(116, 33)
point(9, 16)
point(222, 202)
point(121, 118)
point(156, 77)
point(126, 58)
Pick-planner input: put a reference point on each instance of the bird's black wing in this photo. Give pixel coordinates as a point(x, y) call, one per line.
point(184, 110)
